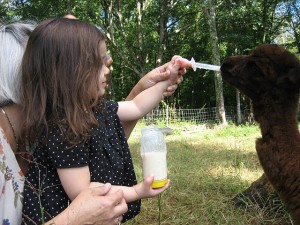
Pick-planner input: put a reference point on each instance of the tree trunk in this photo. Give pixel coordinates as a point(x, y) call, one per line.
point(210, 15)
point(238, 108)
point(295, 23)
point(163, 35)
point(162, 32)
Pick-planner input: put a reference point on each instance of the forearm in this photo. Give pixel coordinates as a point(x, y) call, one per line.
point(130, 194)
point(64, 219)
point(150, 79)
point(140, 191)
point(142, 103)
point(129, 125)
point(69, 216)
point(137, 89)
point(173, 74)
point(150, 98)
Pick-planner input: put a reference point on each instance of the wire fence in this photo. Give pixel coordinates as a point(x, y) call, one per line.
point(197, 116)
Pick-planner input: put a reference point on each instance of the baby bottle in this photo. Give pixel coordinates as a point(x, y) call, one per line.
point(154, 155)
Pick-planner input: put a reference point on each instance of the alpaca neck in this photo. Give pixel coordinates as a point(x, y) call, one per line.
point(277, 121)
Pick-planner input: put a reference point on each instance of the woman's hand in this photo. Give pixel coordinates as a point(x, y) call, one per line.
point(93, 206)
point(176, 67)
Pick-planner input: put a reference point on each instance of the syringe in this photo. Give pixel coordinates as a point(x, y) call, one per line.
point(196, 65)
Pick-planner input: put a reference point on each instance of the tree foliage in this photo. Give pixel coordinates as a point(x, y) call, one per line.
point(142, 34)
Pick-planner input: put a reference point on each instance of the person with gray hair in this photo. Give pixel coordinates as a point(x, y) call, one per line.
point(13, 40)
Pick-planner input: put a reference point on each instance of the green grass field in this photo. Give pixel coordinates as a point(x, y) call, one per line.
point(207, 168)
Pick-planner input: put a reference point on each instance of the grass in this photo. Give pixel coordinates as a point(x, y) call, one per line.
point(207, 168)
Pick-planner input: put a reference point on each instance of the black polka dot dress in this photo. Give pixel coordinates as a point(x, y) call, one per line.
point(106, 153)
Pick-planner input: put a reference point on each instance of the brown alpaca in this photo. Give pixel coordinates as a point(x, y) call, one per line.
point(270, 77)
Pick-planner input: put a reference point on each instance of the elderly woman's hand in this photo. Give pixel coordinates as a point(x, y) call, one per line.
point(94, 206)
point(106, 209)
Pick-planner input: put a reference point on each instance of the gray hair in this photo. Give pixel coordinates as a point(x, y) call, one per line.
point(13, 40)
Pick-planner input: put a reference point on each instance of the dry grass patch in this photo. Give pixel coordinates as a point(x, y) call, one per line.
point(207, 168)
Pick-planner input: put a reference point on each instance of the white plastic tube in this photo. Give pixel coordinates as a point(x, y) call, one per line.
point(196, 65)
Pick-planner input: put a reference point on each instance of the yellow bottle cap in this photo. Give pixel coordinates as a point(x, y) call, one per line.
point(159, 183)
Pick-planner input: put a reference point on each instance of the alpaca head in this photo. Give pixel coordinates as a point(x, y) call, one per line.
point(268, 70)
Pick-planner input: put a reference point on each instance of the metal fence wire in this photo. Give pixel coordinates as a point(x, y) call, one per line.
point(198, 116)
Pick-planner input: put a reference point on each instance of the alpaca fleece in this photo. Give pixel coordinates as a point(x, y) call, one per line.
point(270, 77)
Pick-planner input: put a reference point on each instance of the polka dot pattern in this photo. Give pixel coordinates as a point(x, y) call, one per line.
point(106, 152)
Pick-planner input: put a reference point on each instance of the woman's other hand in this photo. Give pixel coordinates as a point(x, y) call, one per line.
point(94, 206)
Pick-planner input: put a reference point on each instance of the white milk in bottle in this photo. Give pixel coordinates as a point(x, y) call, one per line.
point(154, 155)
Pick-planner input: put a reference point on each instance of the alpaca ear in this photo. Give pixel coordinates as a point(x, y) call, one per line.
point(290, 80)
